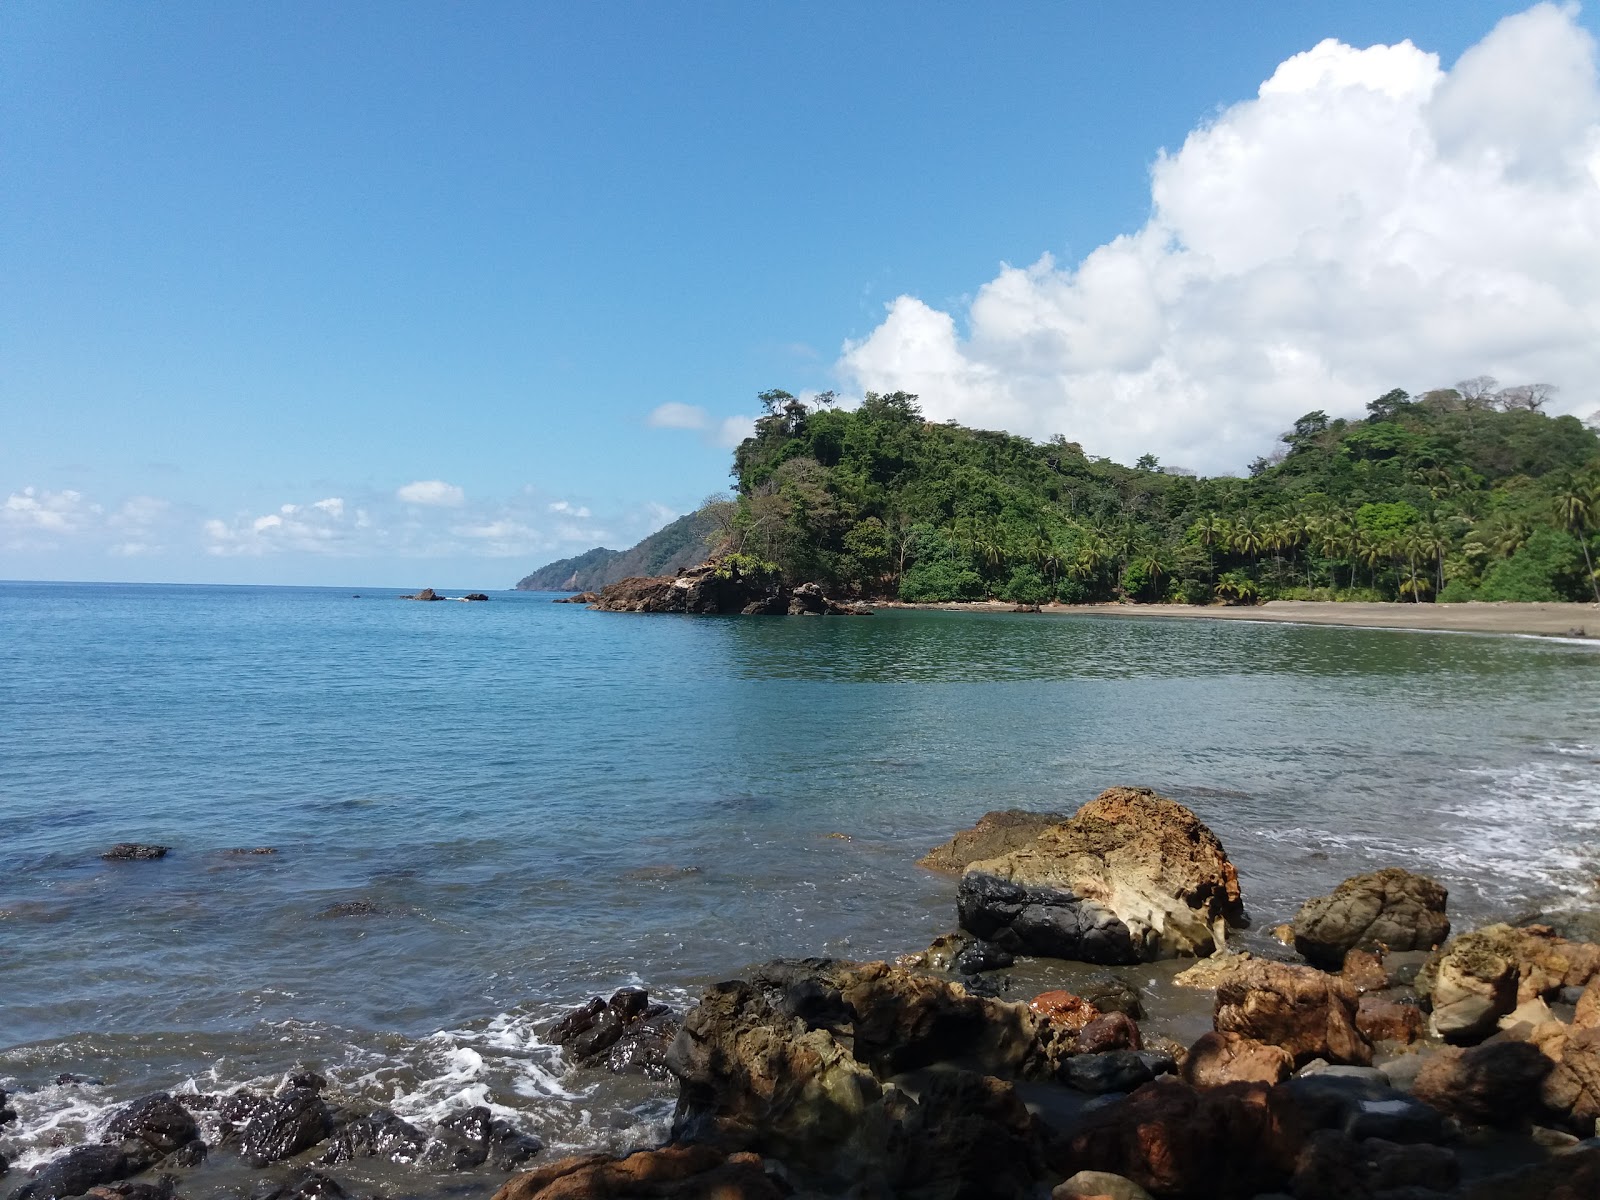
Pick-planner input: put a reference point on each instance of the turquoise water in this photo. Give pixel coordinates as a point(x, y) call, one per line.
point(543, 802)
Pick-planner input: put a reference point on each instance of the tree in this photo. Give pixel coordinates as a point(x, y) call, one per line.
point(1478, 392)
point(1578, 509)
point(1525, 397)
point(1148, 462)
point(1388, 404)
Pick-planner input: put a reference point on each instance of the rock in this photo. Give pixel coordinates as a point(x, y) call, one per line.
point(351, 908)
point(1391, 1166)
point(477, 596)
point(626, 1035)
point(1363, 970)
point(1131, 877)
point(191, 1154)
point(1574, 1175)
point(1111, 1071)
point(474, 1137)
point(1211, 972)
point(1064, 1010)
point(1309, 1014)
point(1110, 1031)
point(1470, 988)
point(721, 586)
point(379, 1134)
point(157, 1120)
point(424, 594)
point(996, 834)
point(1572, 1089)
point(860, 1074)
point(135, 852)
point(303, 1185)
point(1497, 1083)
point(283, 1126)
point(1219, 1058)
point(240, 851)
point(1381, 1019)
point(675, 1172)
point(1179, 1142)
point(580, 598)
point(75, 1172)
point(1388, 909)
point(1587, 1011)
point(1090, 1184)
point(1541, 961)
point(980, 956)
point(1112, 993)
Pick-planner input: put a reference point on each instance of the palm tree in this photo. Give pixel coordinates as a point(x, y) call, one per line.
point(1578, 508)
point(1207, 531)
point(1434, 540)
point(1248, 535)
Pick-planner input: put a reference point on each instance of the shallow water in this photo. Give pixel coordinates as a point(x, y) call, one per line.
point(545, 802)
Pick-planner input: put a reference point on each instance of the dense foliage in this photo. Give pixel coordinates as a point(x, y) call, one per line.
point(1462, 493)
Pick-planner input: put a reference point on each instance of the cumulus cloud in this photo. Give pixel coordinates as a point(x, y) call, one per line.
point(42, 511)
point(1369, 220)
point(678, 416)
point(563, 506)
point(434, 493)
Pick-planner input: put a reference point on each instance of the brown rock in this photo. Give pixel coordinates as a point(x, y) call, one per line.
point(1064, 1009)
point(1470, 989)
point(1098, 1185)
point(727, 585)
point(1110, 1031)
point(1363, 970)
point(580, 598)
point(1133, 876)
point(995, 834)
point(1381, 1019)
point(1572, 1088)
point(424, 594)
point(1390, 909)
point(680, 1172)
point(1309, 1014)
point(1211, 972)
point(1219, 1058)
point(1571, 1176)
point(1588, 1011)
point(1497, 1083)
point(1544, 962)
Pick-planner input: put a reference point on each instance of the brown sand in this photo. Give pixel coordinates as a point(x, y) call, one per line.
point(1554, 620)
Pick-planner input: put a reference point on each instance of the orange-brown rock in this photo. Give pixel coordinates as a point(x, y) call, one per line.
point(1308, 1013)
point(678, 1172)
point(1573, 1176)
point(1588, 1011)
point(1572, 1089)
point(1363, 970)
point(1219, 1058)
point(996, 833)
point(1064, 1009)
point(1110, 1031)
point(1497, 1083)
point(1381, 1019)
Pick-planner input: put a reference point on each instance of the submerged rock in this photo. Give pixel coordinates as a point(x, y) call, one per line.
point(1388, 909)
point(1133, 876)
point(135, 852)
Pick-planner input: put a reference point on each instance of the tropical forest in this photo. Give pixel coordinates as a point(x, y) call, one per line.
point(1470, 492)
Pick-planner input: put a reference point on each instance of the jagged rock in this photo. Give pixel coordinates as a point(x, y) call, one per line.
point(673, 1172)
point(720, 586)
point(1308, 1013)
point(1363, 970)
point(1212, 972)
point(283, 1126)
point(1542, 963)
point(1572, 1089)
point(801, 1061)
point(474, 1137)
point(1381, 1019)
point(1111, 993)
point(626, 1035)
point(157, 1120)
point(424, 594)
point(1497, 1083)
point(1388, 909)
point(135, 852)
point(1110, 1031)
point(379, 1134)
point(1131, 877)
point(1064, 1010)
point(1586, 1013)
point(1219, 1058)
point(75, 1172)
point(996, 833)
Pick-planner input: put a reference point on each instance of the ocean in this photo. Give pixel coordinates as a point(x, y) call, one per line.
point(517, 804)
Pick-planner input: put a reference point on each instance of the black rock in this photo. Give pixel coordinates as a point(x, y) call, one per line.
point(577, 1021)
point(135, 852)
point(352, 908)
point(75, 1172)
point(1047, 922)
point(309, 1185)
point(379, 1134)
point(191, 1154)
point(628, 1003)
point(981, 956)
point(642, 1050)
point(472, 1138)
point(283, 1126)
point(67, 1077)
point(158, 1120)
point(1109, 1071)
point(475, 596)
point(237, 1108)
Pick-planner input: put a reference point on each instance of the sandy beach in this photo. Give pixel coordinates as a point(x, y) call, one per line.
point(1549, 620)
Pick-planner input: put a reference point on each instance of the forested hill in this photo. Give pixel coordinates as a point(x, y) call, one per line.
point(680, 544)
point(1462, 493)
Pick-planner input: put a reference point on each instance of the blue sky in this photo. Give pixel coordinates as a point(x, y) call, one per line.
point(445, 264)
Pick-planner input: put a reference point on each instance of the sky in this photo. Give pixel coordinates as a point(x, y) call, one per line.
point(429, 294)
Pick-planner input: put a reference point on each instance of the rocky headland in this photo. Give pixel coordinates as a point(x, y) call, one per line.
point(1370, 1053)
point(722, 586)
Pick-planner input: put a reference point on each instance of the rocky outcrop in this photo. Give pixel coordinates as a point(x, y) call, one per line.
point(1482, 976)
point(721, 586)
point(294, 1120)
point(864, 1075)
point(1388, 909)
point(153, 1127)
point(1131, 877)
point(671, 1172)
point(75, 1172)
point(1306, 1012)
point(424, 594)
point(996, 833)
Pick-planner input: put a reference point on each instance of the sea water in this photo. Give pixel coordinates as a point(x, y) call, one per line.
point(534, 803)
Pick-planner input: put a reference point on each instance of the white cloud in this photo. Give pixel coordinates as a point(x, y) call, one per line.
point(433, 493)
point(333, 506)
point(41, 511)
point(1368, 221)
point(733, 430)
point(678, 416)
point(562, 506)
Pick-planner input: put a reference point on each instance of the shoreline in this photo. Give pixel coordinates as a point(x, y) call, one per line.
point(1567, 619)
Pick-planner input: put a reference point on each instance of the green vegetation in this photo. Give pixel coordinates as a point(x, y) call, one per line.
point(1463, 493)
point(684, 543)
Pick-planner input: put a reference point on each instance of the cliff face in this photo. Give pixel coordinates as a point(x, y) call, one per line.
point(666, 551)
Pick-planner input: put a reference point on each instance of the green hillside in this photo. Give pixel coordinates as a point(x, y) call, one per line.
point(680, 544)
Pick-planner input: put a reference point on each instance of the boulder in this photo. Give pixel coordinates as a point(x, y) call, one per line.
point(424, 594)
point(626, 1035)
point(996, 833)
point(1585, 1014)
point(478, 596)
point(1542, 962)
point(1382, 1019)
point(1064, 1010)
point(1098, 1185)
point(1574, 1175)
point(1388, 909)
point(135, 852)
point(75, 1172)
point(1572, 1089)
point(1363, 970)
point(676, 1172)
point(1209, 973)
point(1307, 1013)
point(474, 1137)
point(152, 1127)
point(281, 1127)
point(1132, 877)
point(1110, 1031)
point(378, 1134)
point(1498, 1083)
point(1220, 1058)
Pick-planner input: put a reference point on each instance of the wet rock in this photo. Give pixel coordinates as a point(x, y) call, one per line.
point(474, 1137)
point(351, 908)
point(1110, 1031)
point(424, 594)
point(1381, 1019)
point(1212, 972)
point(1497, 1083)
point(1219, 1058)
point(251, 850)
point(580, 598)
point(1064, 1010)
point(626, 1035)
point(75, 1172)
point(159, 1189)
point(996, 834)
point(673, 1172)
point(1308, 1013)
point(477, 596)
point(283, 1126)
point(1091, 1184)
point(1111, 1071)
point(1133, 876)
point(378, 1134)
point(1112, 993)
point(1387, 909)
point(157, 1120)
point(185, 1157)
point(981, 956)
point(7, 1114)
point(135, 852)
point(1363, 970)
point(304, 1185)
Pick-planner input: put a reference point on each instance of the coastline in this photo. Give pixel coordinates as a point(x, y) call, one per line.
point(1545, 620)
